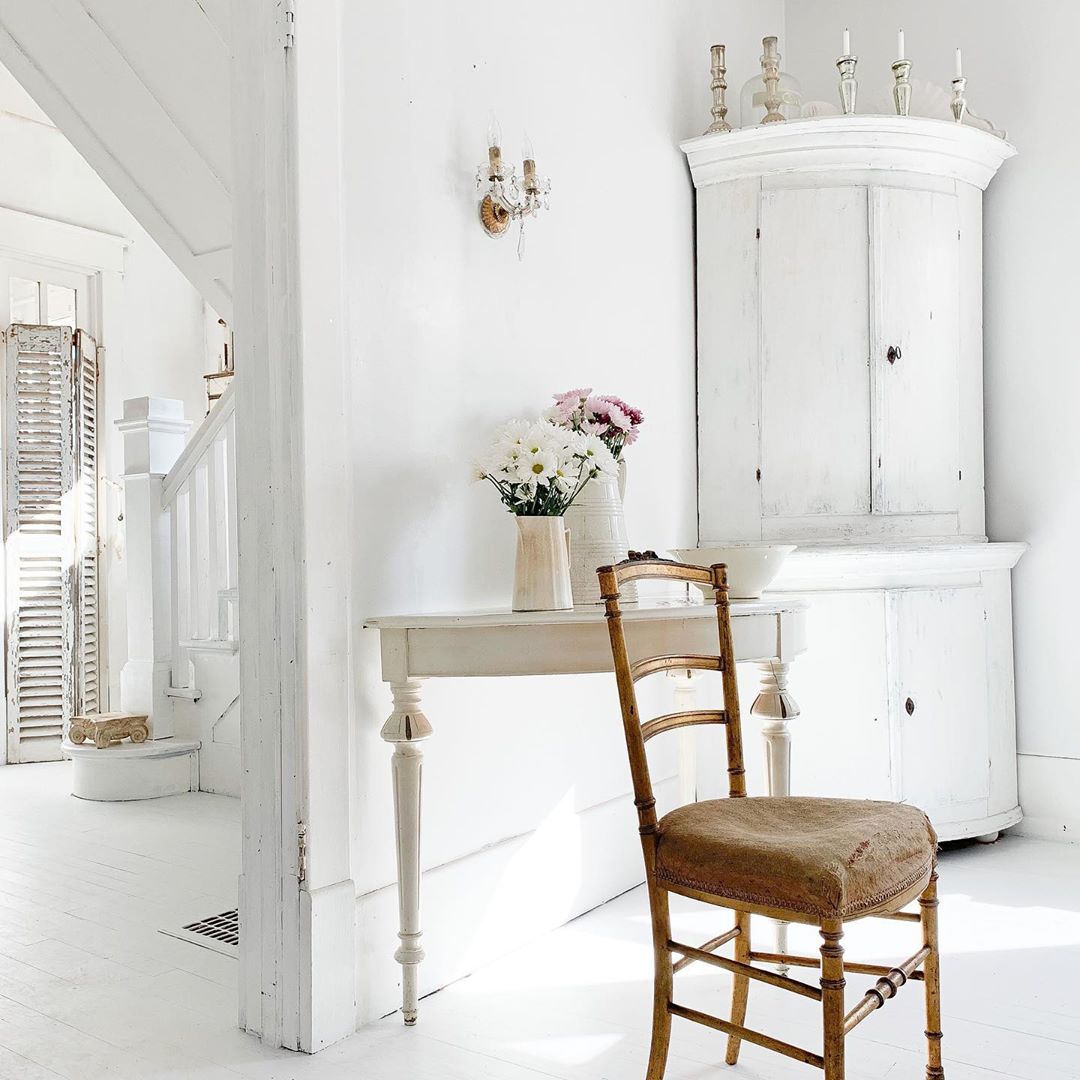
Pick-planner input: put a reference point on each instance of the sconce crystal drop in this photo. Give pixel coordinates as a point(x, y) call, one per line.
point(506, 198)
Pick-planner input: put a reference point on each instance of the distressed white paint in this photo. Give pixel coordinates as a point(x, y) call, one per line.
point(915, 253)
point(1032, 445)
point(859, 248)
point(815, 400)
point(415, 647)
point(930, 622)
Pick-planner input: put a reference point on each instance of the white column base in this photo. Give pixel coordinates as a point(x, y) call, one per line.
point(142, 690)
point(130, 771)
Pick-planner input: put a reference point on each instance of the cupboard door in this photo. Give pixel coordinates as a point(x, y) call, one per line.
point(842, 741)
point(938, 684)
point(815, 404)
point(916, 286)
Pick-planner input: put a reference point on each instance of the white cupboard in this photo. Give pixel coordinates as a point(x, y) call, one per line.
point(840, 407)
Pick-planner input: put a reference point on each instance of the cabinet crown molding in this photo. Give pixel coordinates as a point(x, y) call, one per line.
point(910, 144)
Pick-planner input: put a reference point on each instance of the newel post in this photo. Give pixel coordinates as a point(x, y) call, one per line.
point(153, 430)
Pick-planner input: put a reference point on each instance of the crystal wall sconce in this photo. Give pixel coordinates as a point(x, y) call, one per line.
point(506, 198)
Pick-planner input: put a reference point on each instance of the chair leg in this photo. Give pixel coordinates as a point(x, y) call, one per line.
point(832, 997)
point(928, 905)
point(740, 985)
point(662, 982)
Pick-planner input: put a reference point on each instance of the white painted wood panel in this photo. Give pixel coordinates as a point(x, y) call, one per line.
point(39, 540)
point(815, 397)
point(845, 636)
point(916, 298)
point(728, 365)
point(938, 663)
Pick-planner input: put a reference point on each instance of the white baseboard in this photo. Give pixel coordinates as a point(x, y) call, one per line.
point(491, 902)
point(1048, 794)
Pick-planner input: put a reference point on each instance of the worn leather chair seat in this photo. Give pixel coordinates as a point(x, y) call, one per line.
point(827, 858)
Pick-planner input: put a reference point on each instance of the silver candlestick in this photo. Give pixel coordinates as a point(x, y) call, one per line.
point(719, 89)
point(901, 90)
point(959, 102)
point(849, 86)
point(770, 73)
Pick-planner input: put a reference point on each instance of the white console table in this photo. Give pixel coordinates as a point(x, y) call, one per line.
point(415, 647)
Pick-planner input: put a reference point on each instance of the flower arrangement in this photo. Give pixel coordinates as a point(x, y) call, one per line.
point(540, 468)
point(608, 418)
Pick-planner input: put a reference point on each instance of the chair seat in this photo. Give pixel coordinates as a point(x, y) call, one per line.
point(828, 858)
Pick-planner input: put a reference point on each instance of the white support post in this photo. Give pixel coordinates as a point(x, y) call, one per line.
point(153, 430)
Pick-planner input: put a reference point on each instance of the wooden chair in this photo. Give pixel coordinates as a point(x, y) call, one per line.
point(818, 861)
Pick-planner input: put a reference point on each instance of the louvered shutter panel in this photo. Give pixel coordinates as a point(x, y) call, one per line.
point(87, 693)
point(39, 535)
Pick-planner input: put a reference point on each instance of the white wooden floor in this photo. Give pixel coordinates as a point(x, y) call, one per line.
point(89, 989)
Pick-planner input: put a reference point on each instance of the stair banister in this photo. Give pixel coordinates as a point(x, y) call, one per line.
point(199, 497)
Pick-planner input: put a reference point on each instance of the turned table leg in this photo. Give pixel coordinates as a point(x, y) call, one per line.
point(775, 708)
point(406, 728)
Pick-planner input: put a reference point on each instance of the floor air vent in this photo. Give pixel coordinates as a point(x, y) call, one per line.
point(221, 933)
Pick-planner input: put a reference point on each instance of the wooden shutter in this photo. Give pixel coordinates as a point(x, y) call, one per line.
point(87, 665)
point(39, 540)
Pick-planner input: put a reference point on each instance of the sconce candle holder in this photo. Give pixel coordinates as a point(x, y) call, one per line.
point(507, 198)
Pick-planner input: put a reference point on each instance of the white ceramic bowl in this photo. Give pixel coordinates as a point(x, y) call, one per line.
point(751, 567)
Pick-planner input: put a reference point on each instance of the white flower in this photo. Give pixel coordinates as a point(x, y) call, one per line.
point(597, 456)
point(538, 468)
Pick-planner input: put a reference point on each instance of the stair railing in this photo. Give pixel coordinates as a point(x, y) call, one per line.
point(199, 497)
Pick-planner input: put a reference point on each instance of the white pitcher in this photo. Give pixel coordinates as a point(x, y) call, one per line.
point(542, 566)
point(598, 523)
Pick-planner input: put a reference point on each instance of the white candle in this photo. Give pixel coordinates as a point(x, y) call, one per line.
point(847, 42)
point(900, 54)
point(959, 66)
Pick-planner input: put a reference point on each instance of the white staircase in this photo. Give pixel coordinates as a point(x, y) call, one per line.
point(183, 667)
point(199, 499)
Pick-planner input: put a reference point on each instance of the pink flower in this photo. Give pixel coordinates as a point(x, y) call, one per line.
point(576, 396)
point(636, 416)
point(563, 410)
point(616, 417)
point(597, 407)
point(592, 427)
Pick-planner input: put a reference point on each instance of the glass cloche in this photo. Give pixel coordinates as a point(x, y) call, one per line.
point(752, 99)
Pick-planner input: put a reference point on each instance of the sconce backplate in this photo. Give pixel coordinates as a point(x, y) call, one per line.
point(493, 217)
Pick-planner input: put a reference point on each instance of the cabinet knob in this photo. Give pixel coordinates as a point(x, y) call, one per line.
point(909, 706)
point(893, 354)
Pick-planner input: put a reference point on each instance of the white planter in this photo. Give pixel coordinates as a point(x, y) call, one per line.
point(542, 565)
point(597, 535)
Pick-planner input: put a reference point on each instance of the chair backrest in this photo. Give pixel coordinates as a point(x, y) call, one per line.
point(628, 672)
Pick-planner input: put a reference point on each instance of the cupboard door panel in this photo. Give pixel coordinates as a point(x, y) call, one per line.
point(938, 685)
point(815, 406)
point(841, 738)
point(916, 286)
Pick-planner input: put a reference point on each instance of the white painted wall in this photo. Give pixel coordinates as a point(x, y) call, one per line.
point(528, 817)
point(154, 340)
point(1031, 281)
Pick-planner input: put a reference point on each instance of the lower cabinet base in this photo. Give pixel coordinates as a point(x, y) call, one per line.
point(978, 828)
point(906, 689)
